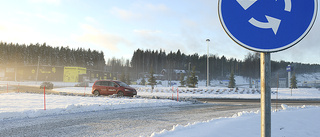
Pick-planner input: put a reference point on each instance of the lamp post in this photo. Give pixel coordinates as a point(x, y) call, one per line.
point(38, 69)
point(208, 40)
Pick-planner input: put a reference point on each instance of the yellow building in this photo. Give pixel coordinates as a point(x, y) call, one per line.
point(71, 74)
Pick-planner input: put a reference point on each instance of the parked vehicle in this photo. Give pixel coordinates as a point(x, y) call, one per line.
point(48, 85)
point(110, 87)
point(82, 84)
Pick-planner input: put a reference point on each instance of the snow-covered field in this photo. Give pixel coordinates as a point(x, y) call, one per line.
point(211, 92)
point(222, 92)
point(25, 105)
point(290, 122)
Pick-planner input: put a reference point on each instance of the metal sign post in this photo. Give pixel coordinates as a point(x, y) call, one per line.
point(265, 73)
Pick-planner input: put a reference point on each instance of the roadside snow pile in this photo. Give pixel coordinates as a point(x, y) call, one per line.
point(292, 122)
point(79, 90)
point(222, 92)
point(210, 92)
point(202, 92)
point(308, 77)
point(23, 105)
point(37, 84)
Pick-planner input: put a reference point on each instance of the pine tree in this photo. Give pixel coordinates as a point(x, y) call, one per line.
point(152, 79)
point(182, 81)
point(193, 79)
point(188, 81)
point(232, 81)
point(293, 82)
point(128, 79)
point(123, 77)
point(143, 81)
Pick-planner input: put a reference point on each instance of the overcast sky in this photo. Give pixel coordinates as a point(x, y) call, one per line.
point(118, 27)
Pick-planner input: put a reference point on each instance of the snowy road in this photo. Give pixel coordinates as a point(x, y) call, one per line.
point(123, 122)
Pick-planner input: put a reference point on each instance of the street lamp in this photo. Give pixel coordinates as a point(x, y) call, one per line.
point(289, 75)
point(208, 40)
point(38, 69)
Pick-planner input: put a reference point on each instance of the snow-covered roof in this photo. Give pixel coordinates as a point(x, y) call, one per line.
point(179, 71)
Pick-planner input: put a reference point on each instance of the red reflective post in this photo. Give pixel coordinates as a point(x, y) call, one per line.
point(172, 93)
point(84, 93)
point(177, 94)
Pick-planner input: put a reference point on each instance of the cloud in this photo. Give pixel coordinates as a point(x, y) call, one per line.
point(94, 36)
point(148, 38)
point(145, 32)
point(124, 14)
point(140, 11)
point(90, 19)
point(156, 39)
point(306, 51)
point(159, 7)
point(54, 17)
point(19, 33)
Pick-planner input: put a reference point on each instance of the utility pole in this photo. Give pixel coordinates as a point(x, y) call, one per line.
point(38, 69)
point(289, 75)
point(208, 82)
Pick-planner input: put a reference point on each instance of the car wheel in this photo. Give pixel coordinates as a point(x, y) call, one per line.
point(120, 93)
point(96, 93)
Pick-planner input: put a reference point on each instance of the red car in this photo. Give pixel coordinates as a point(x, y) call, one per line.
point(110, 87)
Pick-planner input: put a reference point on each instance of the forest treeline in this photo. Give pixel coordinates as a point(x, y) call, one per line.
point(220, 67)
point(24, 55)
point(142, 61)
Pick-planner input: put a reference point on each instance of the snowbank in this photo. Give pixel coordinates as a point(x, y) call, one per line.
point(210, 92)
point(22, 105)
point(292, 122)
point(222, 92)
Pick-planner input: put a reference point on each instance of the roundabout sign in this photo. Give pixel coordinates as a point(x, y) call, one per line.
point(267, 25)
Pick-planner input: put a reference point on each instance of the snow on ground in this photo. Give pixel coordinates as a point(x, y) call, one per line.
point(210, 92)
point(37, 84)
point(308, 77)
point(222, 92)
point(22, 105)
point(290, 122)
point(218, 91)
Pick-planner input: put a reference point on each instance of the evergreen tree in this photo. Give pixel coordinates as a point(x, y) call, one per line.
point(182, 81)
point(128, 79)
point(293, 82)
point(188, 81)
point(232, 81)
point(123, 77)
point(193, 79)
point(143, 81)
point(152, 79)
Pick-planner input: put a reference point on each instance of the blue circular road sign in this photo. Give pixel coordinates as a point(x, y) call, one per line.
point(267, 25)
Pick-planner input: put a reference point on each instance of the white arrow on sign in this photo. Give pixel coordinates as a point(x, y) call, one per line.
point(287, 5)
point(246, 3)
point(272, 23)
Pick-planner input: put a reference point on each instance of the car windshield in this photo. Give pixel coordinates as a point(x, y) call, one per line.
point(122, 84)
